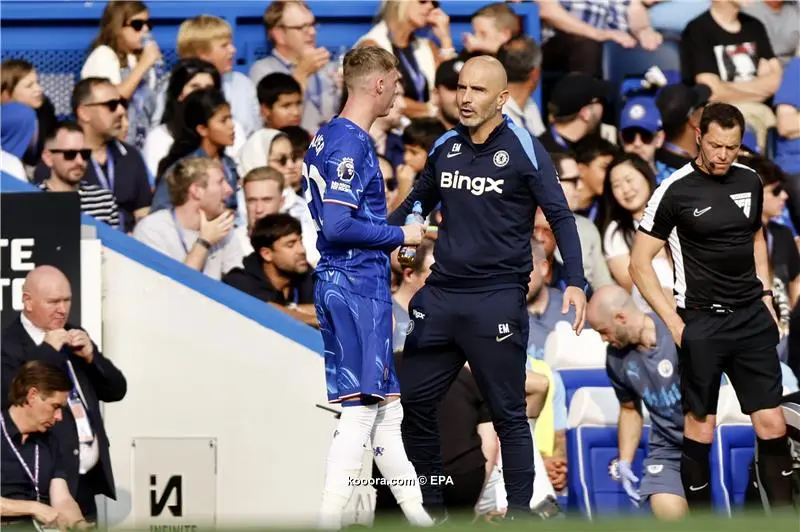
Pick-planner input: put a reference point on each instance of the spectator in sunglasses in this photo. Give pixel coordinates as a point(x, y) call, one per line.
point(784, 258)
point(640, 129)
point(125, 53)
point(115, 165)
point(66, 155)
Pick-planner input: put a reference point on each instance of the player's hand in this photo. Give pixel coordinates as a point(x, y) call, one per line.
point(413, 234)
point(677, 331)
point(628, 480)
point(57, 338)
point(575, 296)
point(216, 229)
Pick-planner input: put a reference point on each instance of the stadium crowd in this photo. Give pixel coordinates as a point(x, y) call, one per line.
point(205, 163)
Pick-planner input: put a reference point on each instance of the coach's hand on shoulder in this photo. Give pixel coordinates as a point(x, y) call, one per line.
point(413, 234)
point(57, 338)
point(575, 296)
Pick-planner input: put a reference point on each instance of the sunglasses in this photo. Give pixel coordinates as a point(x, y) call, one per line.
point(111, 105)
point(283, 159)
point(70, 155)
point(629, 135)
point(138, 25)
point(569, 179)
point(777, 190)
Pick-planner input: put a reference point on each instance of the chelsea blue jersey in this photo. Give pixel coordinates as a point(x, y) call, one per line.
point(341, 166)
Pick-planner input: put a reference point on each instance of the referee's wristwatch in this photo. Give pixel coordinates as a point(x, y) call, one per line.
point(766, 293)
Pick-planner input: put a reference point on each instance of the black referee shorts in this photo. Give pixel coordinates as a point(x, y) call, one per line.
point(743, 345)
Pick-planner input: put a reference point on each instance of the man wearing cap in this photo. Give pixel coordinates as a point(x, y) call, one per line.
point(522, 59)
point(576, 108)
point(680, 107)
point(444, 92)
point(640, 129)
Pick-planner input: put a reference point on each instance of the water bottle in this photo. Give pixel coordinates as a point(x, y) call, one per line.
point(408, 254)
point(148, 38)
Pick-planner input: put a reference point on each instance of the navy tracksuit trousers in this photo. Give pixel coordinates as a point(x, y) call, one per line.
point(489, 330)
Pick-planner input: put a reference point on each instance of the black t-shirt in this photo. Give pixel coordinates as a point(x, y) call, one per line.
point(462, 410)
point(707, 48)
point(710, 222)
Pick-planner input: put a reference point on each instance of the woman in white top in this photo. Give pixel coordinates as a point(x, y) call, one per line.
point(125, 53)
point(629, 186)
point(187, 76)
point(271, 147)
point(418, 57)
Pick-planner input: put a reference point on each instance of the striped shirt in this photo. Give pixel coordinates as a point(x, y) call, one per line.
point(97, 202)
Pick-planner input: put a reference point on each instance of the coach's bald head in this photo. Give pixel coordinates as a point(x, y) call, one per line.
point(613, 313)
point(482, 90)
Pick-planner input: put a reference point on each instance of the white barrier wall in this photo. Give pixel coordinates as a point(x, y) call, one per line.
point(214, 398)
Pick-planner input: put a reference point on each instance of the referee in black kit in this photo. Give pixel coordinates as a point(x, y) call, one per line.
point(710, 212)
point(490, 176)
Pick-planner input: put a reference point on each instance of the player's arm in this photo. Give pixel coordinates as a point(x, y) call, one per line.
point(341, 199)
point(629, 425)
point(630, 429)
point(654, 230)
point(550, 197)
point(424, 191)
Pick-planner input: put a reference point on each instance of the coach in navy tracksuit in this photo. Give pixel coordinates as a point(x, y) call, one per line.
point(490, 176)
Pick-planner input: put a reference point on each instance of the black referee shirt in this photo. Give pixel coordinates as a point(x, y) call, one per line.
point(710, 223)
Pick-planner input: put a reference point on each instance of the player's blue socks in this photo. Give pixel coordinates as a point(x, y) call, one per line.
point(345, 460)
point(391, 458)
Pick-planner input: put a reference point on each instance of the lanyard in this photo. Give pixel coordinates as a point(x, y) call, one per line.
point(314, 97)
point(412, 69)
point(558, 138)
point(677, 150)
point(107, 181)
point(76, 389)
point(178, 230)
point(33, 476)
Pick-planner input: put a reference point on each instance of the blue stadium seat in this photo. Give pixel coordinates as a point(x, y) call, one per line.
point(731, 453)
point(592, 450)
point(574, 379)
point(620, 63)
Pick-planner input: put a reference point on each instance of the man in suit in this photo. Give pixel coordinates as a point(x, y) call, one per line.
point(41, 332)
